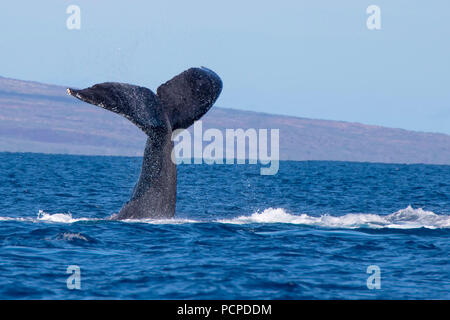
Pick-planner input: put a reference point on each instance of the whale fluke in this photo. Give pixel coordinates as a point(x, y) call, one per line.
point(189, 95)
point(138, 104)
point(178, 103)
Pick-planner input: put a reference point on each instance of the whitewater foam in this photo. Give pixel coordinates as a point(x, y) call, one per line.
point(161, 221)
point(60, 217)
point(69, 236)
point(408, 218)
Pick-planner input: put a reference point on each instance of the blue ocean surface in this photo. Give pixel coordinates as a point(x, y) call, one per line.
point(309, 232)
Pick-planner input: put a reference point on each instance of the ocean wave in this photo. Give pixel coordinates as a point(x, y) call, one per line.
point(408, 218)
point(43, 216)
point(60, 217)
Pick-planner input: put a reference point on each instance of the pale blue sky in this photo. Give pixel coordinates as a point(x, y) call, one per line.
point(313, 59)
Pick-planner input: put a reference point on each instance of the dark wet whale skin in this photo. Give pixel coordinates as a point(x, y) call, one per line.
point(178, 103)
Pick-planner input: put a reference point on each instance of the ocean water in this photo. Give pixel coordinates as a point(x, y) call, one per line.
point(309, 232)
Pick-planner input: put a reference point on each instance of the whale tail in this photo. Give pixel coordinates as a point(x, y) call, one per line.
point(178, 103)
point(181, 100)
point(189, 95)
point(138, 104)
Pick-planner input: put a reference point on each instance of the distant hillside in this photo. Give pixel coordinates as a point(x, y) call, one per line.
point(37, 117)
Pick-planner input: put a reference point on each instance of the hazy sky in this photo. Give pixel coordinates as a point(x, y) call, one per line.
point(313, 59)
